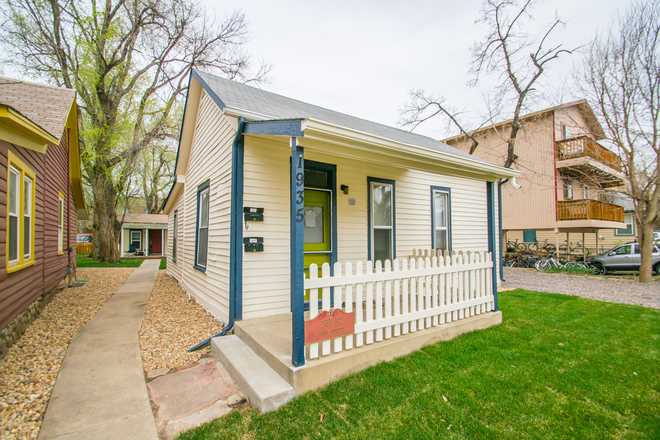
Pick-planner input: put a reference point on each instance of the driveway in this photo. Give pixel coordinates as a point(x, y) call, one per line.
point(610, 288)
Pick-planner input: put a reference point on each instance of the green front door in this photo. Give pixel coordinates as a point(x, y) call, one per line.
point(317, 230)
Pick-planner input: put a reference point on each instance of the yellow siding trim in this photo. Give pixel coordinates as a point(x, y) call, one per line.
point(16, 128)
point(24, 171)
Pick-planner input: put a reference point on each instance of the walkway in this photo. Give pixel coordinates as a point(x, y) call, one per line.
point(100, 391)
point(614, 288)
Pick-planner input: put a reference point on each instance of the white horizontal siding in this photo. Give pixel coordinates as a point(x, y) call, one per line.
point(210, 159)
point(266, 289)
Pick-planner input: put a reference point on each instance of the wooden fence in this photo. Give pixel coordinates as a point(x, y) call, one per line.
point(583, 146)
point(83, 248)
point(400, 297)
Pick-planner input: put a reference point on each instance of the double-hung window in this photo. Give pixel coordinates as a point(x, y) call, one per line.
point(20, 214)
point(630, 225)
point(60, 224)
point(568, 188)
point(175, 234)
point(202, 242)
point(441, 220)
point(136, 240)
point(381, 219)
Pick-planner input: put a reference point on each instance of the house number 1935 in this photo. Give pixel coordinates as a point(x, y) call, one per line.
point(300, 192)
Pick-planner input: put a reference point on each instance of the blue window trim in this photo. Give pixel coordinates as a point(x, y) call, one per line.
point(201, 188)
point(175, 235)
point(387, 182)
point(449, 239)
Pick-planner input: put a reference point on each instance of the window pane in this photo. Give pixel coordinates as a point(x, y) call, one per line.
point(441, 239)
point(202, 246)
point(382, 244)
point(13, 192)
point(26, 235)
point(27, 196)
point(12, 246)
point(636, 249)
point(440, 210)
point(316, 179)
point(623, 250)
point(313, 224)
point(381, 198)
point(204, 209)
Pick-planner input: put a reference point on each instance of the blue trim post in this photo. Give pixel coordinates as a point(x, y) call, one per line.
point(236, 247)
point(490, 197)
point(499, 226)
point(297, 254)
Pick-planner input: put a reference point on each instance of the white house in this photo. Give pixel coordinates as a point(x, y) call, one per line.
point(247, 222)
point(143, 234)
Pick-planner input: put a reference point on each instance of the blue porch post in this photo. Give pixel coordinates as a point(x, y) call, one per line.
point(297, 258)
point(490, 198)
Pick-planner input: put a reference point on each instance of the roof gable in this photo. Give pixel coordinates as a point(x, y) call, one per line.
point(257, 104)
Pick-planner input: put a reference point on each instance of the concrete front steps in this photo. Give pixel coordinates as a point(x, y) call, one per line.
point(258, 356)
point(263, 387)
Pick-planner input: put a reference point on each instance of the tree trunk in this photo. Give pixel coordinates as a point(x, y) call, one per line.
point(106, 226)
point(646, 250)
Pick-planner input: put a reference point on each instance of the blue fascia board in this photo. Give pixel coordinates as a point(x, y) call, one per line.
point(208, 90)
point(289, 128)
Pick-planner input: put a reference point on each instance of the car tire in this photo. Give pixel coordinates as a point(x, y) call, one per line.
point(599, 268)
point(656, 268)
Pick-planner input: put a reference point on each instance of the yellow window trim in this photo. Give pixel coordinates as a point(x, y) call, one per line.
point(24, 171)
point(60, 222)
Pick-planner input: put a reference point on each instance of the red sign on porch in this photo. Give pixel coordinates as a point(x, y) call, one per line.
point(329, 325)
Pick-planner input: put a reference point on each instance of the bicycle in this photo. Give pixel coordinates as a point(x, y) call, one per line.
point(548, 247)
point(545, 264)
point(568, 248)
point(515, 246)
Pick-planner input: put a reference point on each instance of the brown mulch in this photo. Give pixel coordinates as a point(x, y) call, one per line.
point(172, 324)
point(29, 371)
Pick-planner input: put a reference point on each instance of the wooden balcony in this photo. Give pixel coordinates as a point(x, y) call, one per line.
point(584, 146)
point(589, 210)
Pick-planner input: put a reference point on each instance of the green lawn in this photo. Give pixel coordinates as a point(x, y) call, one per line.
point(558, 367)
point(84, 260)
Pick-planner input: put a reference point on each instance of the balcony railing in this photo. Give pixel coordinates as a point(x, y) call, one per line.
point(590, 210)
point(583, 146)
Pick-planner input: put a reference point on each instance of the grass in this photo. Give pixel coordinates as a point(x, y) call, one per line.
point(84, 260)
point(558, 367)
point(574, 270)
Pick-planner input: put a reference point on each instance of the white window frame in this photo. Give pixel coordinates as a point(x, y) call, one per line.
point(130, 237)
point(60, 224)
point(27, 214)
point(565, 131)
point(435, 227)
point(631, 216)
point(568, 188)
point(585, 191)
point(373, 183)
point(16, 191)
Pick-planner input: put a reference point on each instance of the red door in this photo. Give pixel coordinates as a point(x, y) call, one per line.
point(155, 241)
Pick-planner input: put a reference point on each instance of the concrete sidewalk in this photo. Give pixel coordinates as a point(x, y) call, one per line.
point(100, 391)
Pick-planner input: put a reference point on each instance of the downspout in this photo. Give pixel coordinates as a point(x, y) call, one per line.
point(235, 234)
point(490, 197)
point(499, 224)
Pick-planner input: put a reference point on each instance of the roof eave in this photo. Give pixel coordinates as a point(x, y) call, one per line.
point(20, 130)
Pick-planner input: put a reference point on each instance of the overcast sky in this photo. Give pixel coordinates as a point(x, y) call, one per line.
point(362, 57)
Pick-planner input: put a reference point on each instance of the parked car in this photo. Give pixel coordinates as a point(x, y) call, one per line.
point(623, 257)
point(84, 238)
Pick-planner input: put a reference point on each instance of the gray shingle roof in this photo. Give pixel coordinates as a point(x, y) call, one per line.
point(242, 97)
point(46, 106)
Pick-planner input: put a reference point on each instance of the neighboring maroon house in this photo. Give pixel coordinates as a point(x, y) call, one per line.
point(41, 197)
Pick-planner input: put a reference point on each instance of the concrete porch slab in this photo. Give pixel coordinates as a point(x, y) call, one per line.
point(270, 339)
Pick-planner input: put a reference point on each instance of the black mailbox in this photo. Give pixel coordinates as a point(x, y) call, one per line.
point(253, 214)
point(253, 244)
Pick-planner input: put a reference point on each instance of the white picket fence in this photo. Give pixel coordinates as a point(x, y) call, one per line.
point(402, 297)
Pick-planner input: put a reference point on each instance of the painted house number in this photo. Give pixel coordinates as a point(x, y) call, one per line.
point(300, 192)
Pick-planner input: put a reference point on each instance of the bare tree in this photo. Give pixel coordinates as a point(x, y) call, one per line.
point(621, 75)
point(155, 168)
point(129, 61)
point(509, 51)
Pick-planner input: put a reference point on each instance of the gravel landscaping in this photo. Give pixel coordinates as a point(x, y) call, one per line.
point(172, 324)
point(29, 371)
point(614, 288)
